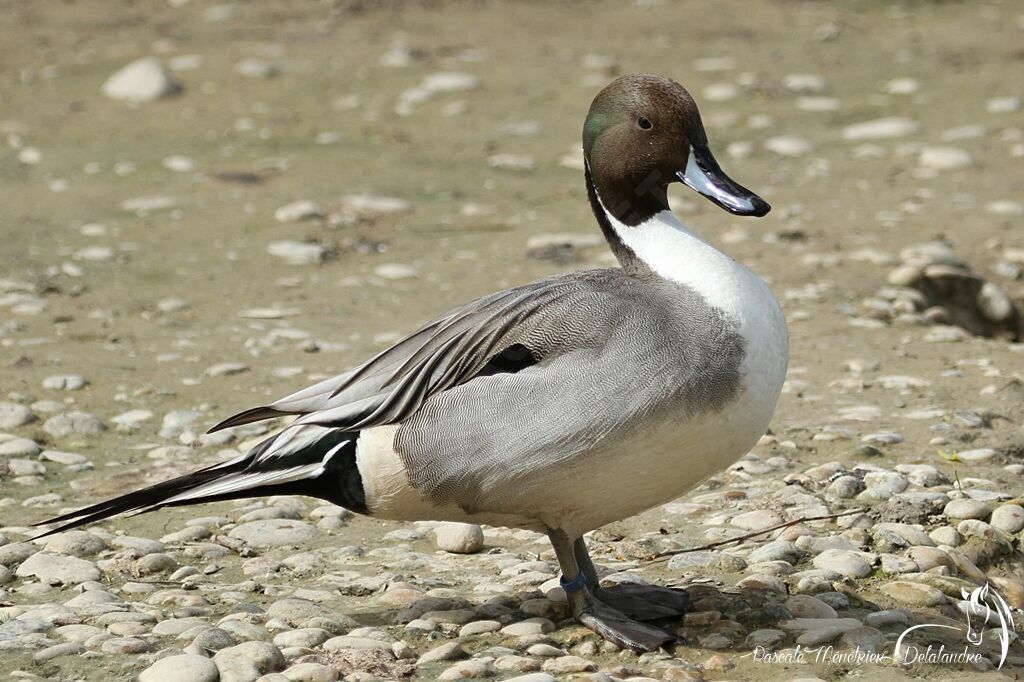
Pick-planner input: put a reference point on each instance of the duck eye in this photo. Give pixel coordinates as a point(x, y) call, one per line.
point(644, 123)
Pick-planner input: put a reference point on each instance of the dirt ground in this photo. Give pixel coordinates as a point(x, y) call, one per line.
point(484, 169)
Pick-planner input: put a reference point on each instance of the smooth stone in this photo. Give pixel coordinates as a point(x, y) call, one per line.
point(766, 638)
point(944, 158)
point(977, 455)
point(1008, 518)
point(449, 651)
point(13, 415)
point(65, 382)
point(350, 642)
point(74, 423)
point(777, 550)
point(56, 650)
point(310, 672)
point(19, 447)
point(75, 543)
point(55, 569)
point(143, 80)
point(186, 668)
point(273, 533)
point(866, 639)
point(297, 211)
point(967, 509)
point(459, 538)
point(756, 520)
point(881, 128)
point(248, 661)
point(568, 664)
point(297, 253)
point(806, 606)
point(467, 670)
point(306, 638)
point(479, 627)
point(913, 594)
point(844, 562)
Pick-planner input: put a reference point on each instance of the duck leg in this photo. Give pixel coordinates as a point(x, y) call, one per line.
point(642, 602)
point(591, 612)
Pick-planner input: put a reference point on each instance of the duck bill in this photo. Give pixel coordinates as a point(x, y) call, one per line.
point(704, 176)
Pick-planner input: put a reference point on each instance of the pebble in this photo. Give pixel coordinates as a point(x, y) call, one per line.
point(976, 455)
point(880, 128)
point(966, 509)
point(55, 569)
point(186, 668)
point(13, 415)
point(297, 253)
point(944, 158)
point(247, 661)
point(143, 80)
point(74, 423)
point(913, 594)
point(459, 538)
point(297, 211)
point(844, 562)
point(1008, 518)
point(19, 447)
point(273, 533)
point(806, 606)
point(65, 382)
point(788, 145)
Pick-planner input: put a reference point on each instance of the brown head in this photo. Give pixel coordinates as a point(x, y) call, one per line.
point(644, 132)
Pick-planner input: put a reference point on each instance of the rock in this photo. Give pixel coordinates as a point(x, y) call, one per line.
point(788, 145)
point(966, 509)
point(1008, 518)
point(806, 606)
point(256, 68)
point(143, 80)
point(54, 569)
point(929, 557)
point(766, 638)
point(913, 594)
point(306, 638)
point(310, 672)
point(976, 455)
point(804, 83)
point(881, 128)
point(75, 543)
point(273, 533)
point(884, 484)
point(568, 664)
point(866, 639)
point(187, 668)
point(297, 253)
point(297, 211)
point(756, 520)
point(777, 550)
point(944, 158)
point(532, 677)
point(459, 538)
point(349, 642)
point(247, 661)
point(528, 627)
point(844, 562)
point(395, 271)
point(145, 205)
point(225, 369)
point(56, 650)
point(19, 447)
point(467, 670)
point(374, 205)
point(13, 415)
point(65, 382)
point(449, 651)
point(74, 423)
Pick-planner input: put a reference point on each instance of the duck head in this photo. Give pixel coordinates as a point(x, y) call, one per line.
point(643, 133)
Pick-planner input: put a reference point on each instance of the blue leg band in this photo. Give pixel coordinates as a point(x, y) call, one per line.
point(577, 583)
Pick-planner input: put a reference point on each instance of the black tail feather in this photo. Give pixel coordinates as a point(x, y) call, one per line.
point(337, 481)
point(147, 499)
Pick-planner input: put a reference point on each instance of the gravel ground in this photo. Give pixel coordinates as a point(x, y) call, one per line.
point(209, 205)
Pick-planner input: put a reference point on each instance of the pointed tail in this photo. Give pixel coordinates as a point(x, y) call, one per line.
point(301, 460)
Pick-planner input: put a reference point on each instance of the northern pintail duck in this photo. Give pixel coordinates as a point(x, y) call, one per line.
point(557, 406)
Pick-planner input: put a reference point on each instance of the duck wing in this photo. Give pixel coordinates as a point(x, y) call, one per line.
point(501, 333)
